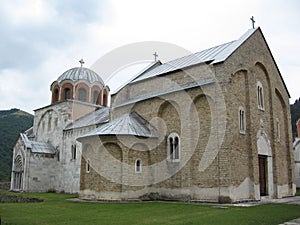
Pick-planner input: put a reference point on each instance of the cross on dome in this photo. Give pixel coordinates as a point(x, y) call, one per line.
point(81, 62)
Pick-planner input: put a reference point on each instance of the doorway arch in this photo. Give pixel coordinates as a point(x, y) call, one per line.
point(265, 164)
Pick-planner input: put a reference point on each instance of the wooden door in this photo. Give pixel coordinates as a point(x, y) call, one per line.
point(262, 163)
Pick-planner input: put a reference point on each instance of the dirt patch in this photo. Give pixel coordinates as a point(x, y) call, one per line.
point(15, 198)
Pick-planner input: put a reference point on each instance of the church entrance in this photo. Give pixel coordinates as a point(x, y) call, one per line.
point(18, 180)
point(262, 164)
point(18, 170)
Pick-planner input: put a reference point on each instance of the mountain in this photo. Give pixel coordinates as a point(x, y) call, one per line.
point(12, 122)
point(295, 115)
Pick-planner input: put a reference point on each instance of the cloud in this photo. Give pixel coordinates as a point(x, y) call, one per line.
point(41, 39)
point(31, 29)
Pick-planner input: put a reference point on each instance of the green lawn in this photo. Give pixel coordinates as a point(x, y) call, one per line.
point(55, 209)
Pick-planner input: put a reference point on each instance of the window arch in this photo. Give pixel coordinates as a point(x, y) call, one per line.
point(138, 166)
point(88, 166)
point(96, 97)
point(105, 98)
point(55, 95)
point(82, 94)
point(260, 96)
point(242, 120)
point(173, 147)
point(67, 93)
point(278, 129)
point(73, 152)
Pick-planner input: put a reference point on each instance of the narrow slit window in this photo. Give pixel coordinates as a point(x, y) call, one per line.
point(138, 166)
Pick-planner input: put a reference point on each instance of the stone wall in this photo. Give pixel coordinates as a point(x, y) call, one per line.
point(217, 161)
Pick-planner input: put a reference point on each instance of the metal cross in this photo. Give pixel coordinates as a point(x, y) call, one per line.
point(253, 21)
point(81, 62)
point(155, 56)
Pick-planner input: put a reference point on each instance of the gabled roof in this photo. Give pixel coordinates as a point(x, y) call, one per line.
point(95, 117)
point(127, 124)
point(37, 147)
point(213, 55)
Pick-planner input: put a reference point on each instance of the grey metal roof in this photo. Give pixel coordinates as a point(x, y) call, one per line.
point(164, 92)
point(80, 73)
point(37, 147)
point(212, 56)
point(127, 124)
point(147, 68)
point(95, 117)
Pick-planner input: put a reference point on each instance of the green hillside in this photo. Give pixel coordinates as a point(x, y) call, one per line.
point(295, 115)
point(12, 122)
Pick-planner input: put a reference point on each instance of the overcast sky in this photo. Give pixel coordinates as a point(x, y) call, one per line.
point(41, 39)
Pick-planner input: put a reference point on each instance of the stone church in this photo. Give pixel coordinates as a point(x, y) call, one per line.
point(211, 126)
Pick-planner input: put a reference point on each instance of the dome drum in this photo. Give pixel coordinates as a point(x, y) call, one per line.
point(81, 84)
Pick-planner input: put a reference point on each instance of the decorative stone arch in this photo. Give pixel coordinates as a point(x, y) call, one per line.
point(267, 89)
point(46, 119)
point(66, 91)
point(282, 113)
point(18, 172)
point(207, 148)
point(55, 94)
point(169, 112)
point(265, 154)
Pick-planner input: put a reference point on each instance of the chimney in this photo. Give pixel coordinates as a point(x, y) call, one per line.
point(298, 127)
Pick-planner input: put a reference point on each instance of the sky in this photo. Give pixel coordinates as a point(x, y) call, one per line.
point(41, 39)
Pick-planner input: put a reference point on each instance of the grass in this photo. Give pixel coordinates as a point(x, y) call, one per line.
point(55, 209)
point(298, 192)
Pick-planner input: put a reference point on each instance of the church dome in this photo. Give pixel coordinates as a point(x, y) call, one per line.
point(80, 73)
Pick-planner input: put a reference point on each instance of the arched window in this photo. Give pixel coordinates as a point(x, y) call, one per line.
point(49, 123)
point(138, 166)
point(173, 143)
point(67, 93)
point(82, 94)
point(73, 152)
point(278, 129)
point(88, 166)
point(105, 99)
point(242, 120)
point(96, 97)
point(56, 94)
point(260, 96)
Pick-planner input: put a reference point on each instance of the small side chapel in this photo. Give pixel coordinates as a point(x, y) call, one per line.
point(211, 126)
point(47, 157)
